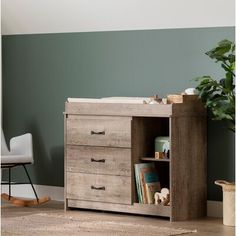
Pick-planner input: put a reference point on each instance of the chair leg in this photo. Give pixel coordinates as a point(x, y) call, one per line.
point(9, 181)
point(31, 183)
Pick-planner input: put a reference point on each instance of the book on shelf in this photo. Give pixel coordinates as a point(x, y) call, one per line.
point(137, 180)
point(151, 189)
point(147, 182)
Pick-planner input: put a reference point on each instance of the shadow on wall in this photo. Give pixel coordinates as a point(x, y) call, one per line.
point(57, 162)
point(221, 156)
point(48, 166)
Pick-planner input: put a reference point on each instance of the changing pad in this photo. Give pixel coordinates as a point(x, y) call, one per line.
point(134, 100)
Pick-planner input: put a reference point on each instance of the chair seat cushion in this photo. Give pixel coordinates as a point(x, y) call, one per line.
point(10, 159)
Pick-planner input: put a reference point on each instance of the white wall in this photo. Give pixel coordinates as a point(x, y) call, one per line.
point(53, 16)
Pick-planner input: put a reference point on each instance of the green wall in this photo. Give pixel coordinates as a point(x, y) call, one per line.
point(40, 71)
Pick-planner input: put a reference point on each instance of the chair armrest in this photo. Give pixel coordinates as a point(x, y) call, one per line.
point(22, 145)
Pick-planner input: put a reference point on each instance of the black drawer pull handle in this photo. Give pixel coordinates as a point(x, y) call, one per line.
point(99, 133)
point(98, 188)
point(100, 160)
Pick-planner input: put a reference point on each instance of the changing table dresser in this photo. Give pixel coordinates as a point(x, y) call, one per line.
point(103, 141)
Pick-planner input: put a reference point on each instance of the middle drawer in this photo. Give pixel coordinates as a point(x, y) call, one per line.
point(98, 160)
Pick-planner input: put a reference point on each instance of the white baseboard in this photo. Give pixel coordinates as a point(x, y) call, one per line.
point(214, 208)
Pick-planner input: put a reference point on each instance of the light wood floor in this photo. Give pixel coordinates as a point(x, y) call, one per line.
point(204, 227)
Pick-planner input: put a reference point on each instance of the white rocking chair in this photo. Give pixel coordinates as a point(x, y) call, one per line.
point(20, 154)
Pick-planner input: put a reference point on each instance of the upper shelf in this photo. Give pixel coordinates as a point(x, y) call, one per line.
point(154, 159)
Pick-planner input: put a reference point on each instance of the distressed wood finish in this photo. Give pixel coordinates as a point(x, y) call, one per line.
point(144, 209)
point(101, 188)
point(188, 168)
point(118, 109)
point(99, 160)
point(188, 109)
point(136, 110)
point(99, 131)
point(123, 134)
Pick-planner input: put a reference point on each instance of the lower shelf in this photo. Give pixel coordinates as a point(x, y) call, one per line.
point(136, 208)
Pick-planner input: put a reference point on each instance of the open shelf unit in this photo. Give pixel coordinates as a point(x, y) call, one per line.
point(145, 130)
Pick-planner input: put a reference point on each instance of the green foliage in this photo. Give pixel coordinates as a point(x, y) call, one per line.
point(219, 96)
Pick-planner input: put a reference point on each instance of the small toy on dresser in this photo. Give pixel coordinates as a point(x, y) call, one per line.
point(156, 100)
point(163, 197)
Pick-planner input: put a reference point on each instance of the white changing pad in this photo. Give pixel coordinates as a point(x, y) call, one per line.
point(134, 100)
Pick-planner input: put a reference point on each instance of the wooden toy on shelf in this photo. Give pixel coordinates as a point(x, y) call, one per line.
point(163, 197)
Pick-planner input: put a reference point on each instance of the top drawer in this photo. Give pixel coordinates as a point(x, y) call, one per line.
point(99, 131)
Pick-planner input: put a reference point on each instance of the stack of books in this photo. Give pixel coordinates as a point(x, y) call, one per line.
point(147, 182)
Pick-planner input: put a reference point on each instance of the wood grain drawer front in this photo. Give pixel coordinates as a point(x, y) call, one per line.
point(100, 188)
point(99, 131)
point(99, 160)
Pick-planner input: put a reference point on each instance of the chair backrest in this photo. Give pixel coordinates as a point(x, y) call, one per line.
point(22, 145)
point(4, 148)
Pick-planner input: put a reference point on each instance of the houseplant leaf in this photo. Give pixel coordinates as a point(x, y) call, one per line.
point(218, 95)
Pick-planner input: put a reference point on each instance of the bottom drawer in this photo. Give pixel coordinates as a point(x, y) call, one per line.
point(100, 188)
